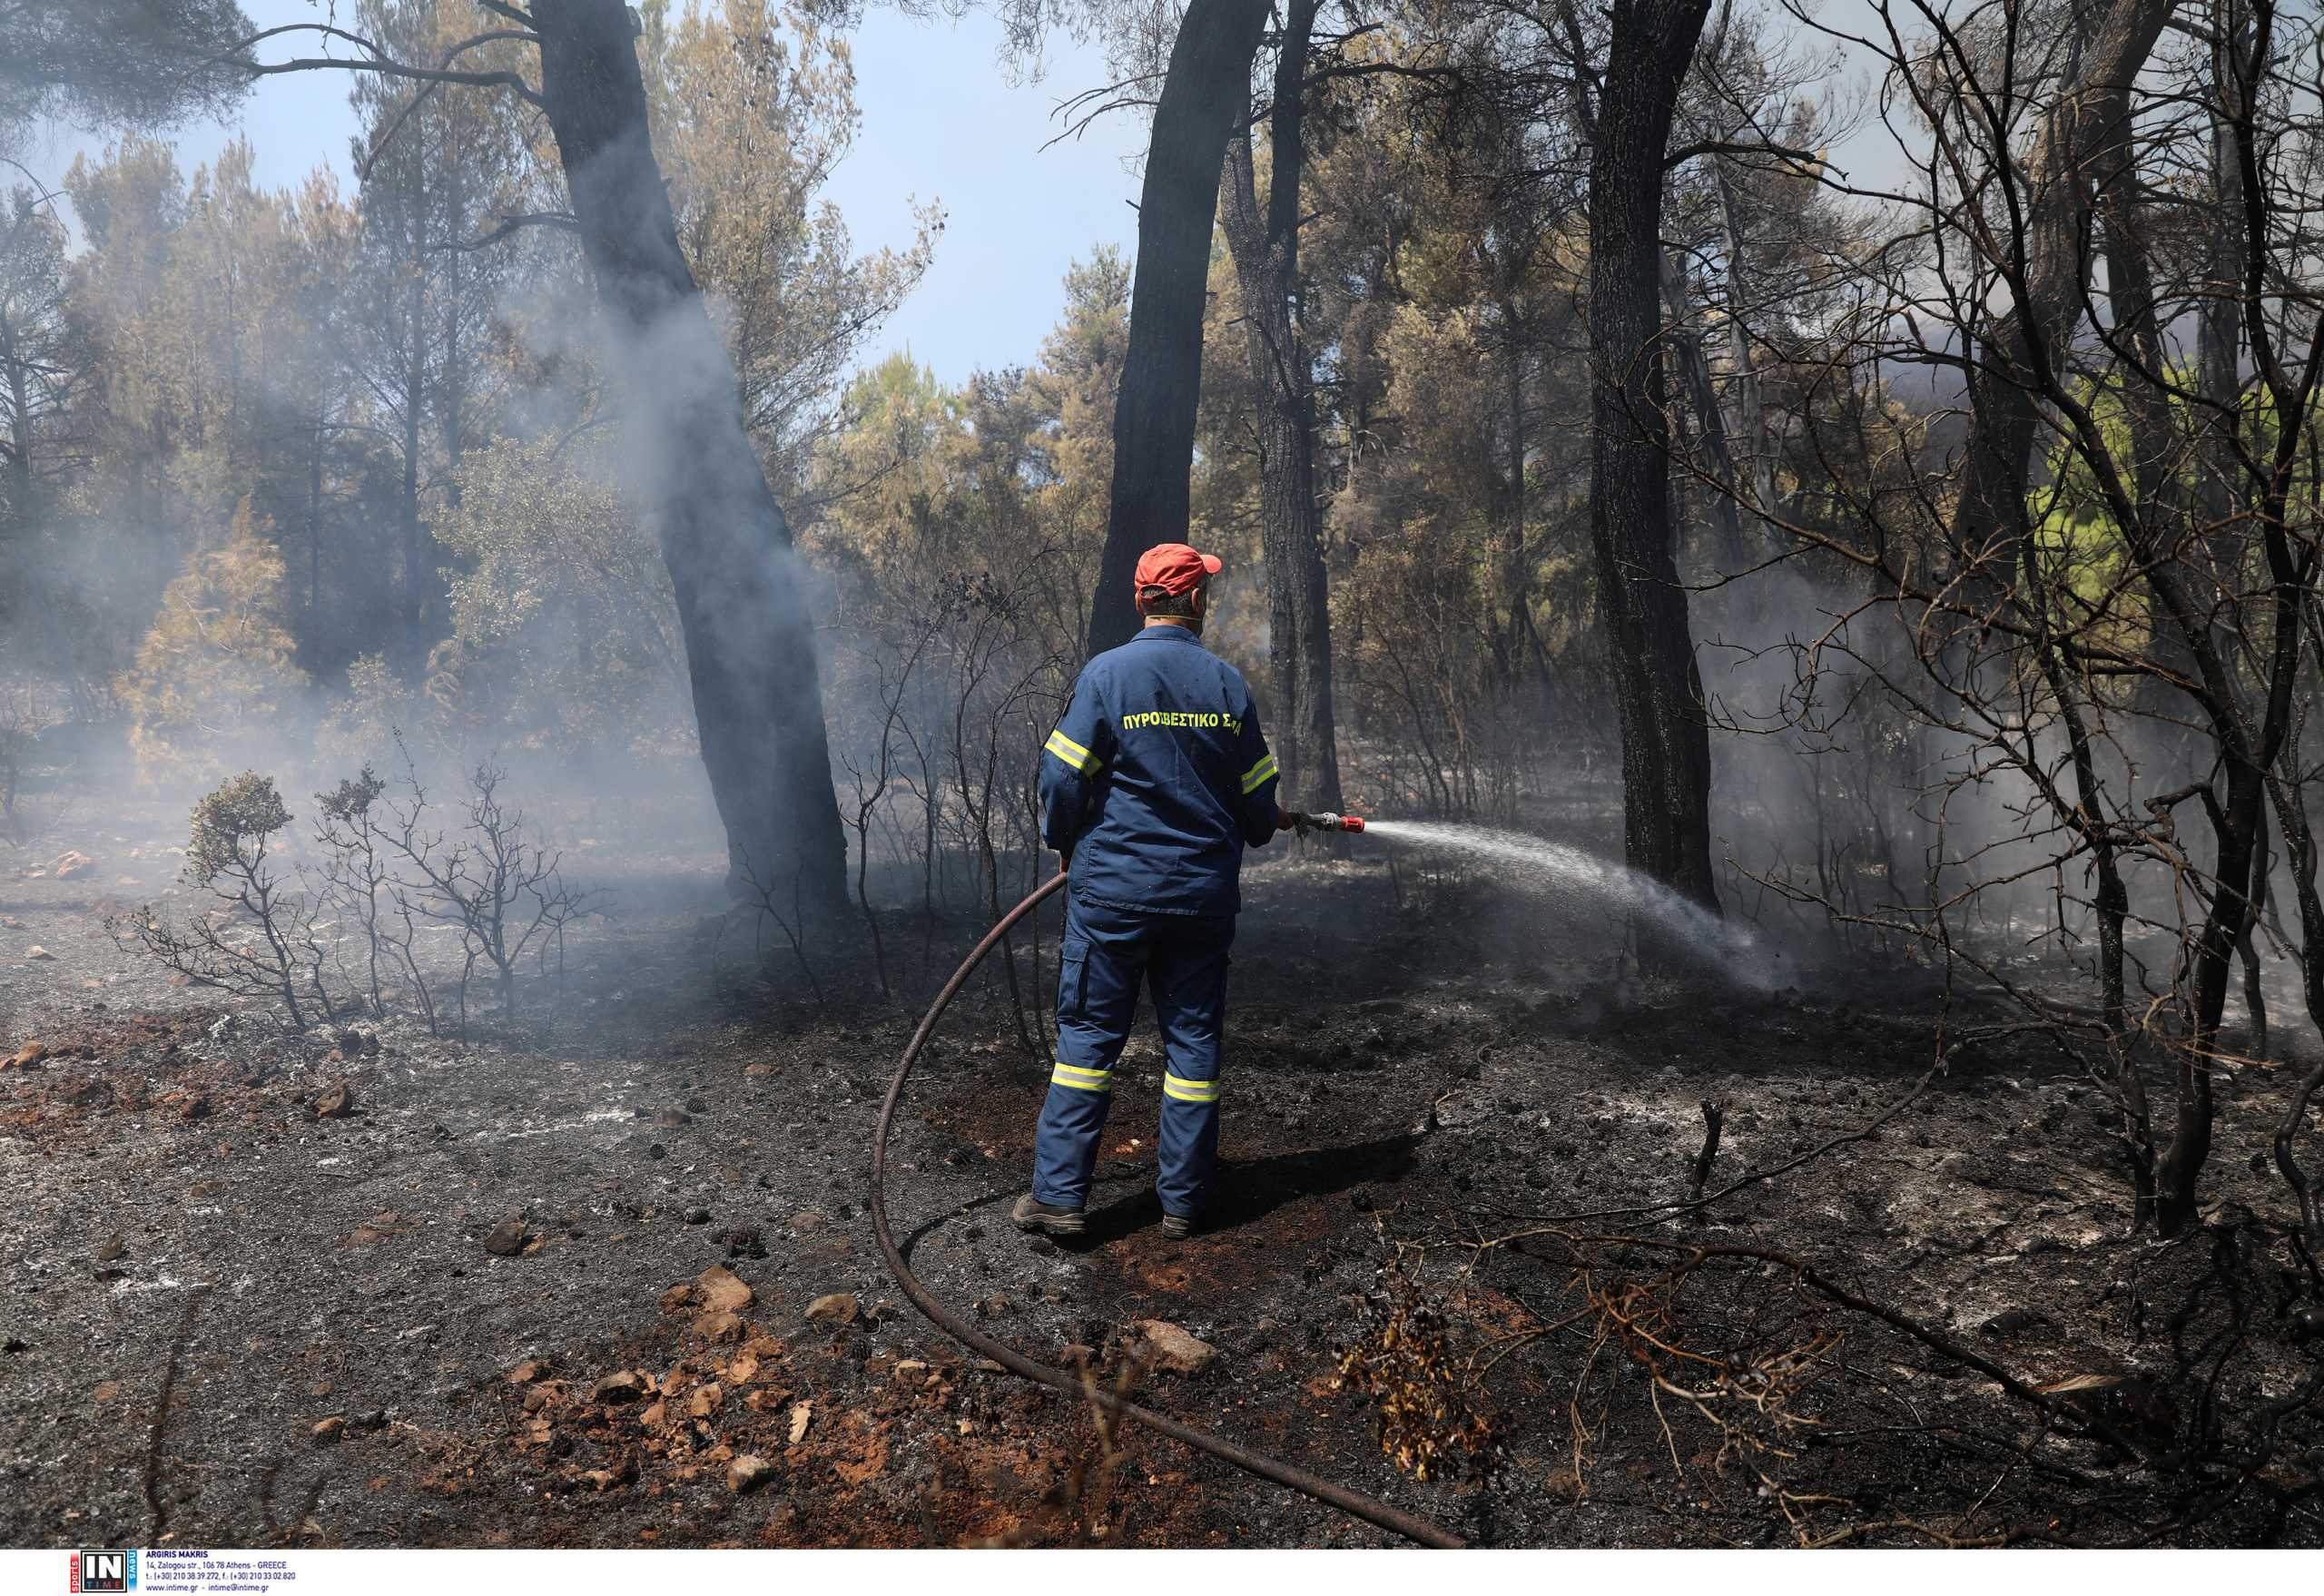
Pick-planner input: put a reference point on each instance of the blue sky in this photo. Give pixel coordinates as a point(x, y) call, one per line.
point(941, 121)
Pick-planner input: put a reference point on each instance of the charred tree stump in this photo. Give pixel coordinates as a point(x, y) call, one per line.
point(1714, 1117)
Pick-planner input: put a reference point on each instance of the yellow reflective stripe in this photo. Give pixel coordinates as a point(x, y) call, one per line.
point(1260, 773)
point(1189, 1091)
point(1088, 1080)
point(1074, 755)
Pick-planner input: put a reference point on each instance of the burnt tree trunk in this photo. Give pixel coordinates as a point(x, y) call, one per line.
point(741, 597)
point(2045, 282)
point(1694, 376)
point(1205, 98)
point(1666, 743)
point(415, 399)
point(1750, 404)
point(1266, 247)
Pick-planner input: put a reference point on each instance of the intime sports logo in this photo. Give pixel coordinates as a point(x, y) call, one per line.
point(105, 1571)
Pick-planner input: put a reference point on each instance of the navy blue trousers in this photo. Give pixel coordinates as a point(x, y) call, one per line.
point(1105, 954)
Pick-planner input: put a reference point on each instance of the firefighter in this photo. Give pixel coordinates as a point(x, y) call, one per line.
point(1151, 787)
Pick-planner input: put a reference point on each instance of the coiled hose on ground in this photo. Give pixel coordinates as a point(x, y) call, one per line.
point(1256, 1462)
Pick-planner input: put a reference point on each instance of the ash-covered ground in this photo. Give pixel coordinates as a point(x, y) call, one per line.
point(608, 1278)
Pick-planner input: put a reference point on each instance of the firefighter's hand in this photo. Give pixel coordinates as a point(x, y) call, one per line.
point(1285, 821)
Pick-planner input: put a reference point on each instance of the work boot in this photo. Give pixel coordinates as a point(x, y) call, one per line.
point(1177, 1227)
point(1032, 1213)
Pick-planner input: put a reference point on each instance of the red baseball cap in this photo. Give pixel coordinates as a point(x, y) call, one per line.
point(1175, 569)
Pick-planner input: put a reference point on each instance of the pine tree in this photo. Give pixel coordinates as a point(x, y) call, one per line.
point(214, 673)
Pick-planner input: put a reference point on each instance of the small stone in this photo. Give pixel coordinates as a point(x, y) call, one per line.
point(330, 1430)
point(506, 1239)
point(196, 1106)
point(910, 1369)
point(705, 1400)
point(2012, 1322)
point(748, 1473)
point(1173, 1348)
point(27, 1057)
point(376, 1419)
point(335, 1101)
point(722, 1291)
point(838, 1307)
point(676, 1297)
point(723, 1329)
point(697, 1216)
point(655, 1414)
point(526, 1372)
point(113, 1249)
point(106, 1391)
point(38, 952)
point(627, 1385)
point(802, 1415)
point(741, 1371)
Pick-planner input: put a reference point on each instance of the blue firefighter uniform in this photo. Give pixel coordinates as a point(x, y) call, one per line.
point(1153, 783)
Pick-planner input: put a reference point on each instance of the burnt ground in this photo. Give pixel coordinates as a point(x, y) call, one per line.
point(227, 1320)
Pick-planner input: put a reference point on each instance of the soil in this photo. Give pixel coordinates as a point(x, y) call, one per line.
point(443, 1312)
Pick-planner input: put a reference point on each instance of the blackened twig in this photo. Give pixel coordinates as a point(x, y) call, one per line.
point(1713, 1118)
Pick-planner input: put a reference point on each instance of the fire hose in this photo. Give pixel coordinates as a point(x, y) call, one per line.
point(1072, 1384)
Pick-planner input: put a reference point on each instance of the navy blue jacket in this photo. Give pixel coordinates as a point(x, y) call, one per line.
point(1157, 776)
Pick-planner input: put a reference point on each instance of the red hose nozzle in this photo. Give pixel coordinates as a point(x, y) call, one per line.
point(1351, 822)
point(1324, 821)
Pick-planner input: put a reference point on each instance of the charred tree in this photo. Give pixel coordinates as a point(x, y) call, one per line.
point(741, 595)
point(2044, 267)
point(1666, 740)
point(1711, 423)
point(1266, 247)
point(1206, 96)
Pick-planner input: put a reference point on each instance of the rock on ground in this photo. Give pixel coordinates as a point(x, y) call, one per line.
point(1173, 1348)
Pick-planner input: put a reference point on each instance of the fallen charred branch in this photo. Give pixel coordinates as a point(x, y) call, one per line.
point(2172, 1433)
